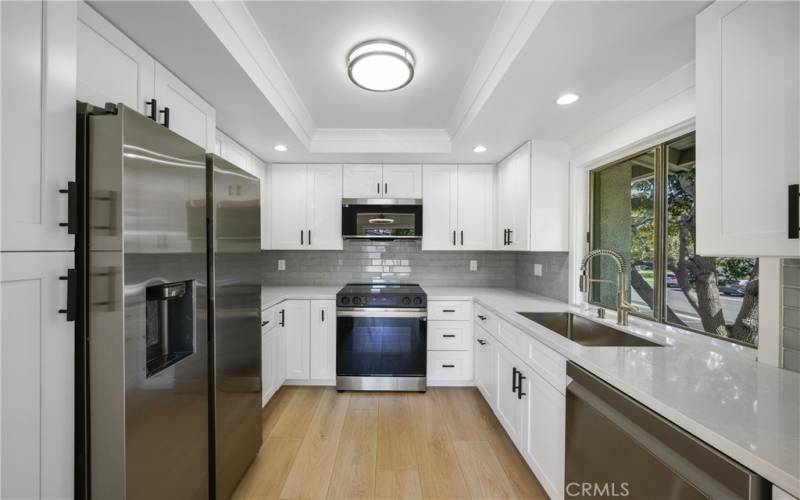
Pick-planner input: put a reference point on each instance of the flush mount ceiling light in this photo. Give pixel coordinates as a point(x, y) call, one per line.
point(567, 99)
point(281, 148)
point(479, 149)
point(380, 65)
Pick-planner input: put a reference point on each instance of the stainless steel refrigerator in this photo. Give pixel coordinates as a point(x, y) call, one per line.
point(152, 415)
point(236, 339)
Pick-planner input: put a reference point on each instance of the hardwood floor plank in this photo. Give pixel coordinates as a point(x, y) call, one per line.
point(395, 436)
point(364, 401)
point(277, 404)
point(265, 477)
point(463, 422)
point(397, 484)
point(294, 420)
point(354, 472)
point(483, 473)
point(311, 471)
point(439, 472)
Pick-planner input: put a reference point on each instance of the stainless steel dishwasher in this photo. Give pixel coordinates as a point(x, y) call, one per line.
point(615, 447)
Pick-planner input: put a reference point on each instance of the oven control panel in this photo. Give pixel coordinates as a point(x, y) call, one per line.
point(382, 296)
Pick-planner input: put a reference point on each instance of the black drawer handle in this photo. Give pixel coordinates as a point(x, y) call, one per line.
point(448, 335)
point(448, 310)
point(481, 342)
point(514, 372)
point(283, 317)
point(794, 211)
point(482, 317)
point(448, 366)
point(519, 385)
point(264, 323)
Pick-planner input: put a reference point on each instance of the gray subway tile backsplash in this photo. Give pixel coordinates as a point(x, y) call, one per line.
point(403, 261)
point(791, 314)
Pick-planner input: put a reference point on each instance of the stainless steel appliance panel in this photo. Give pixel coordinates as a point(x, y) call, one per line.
point(147, 302)
point(616, 447)
point(237, 321)
point(378, 219)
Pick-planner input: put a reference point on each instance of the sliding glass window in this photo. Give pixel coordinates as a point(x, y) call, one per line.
point(644, 208)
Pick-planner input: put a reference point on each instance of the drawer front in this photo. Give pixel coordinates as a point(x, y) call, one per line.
point(549, 364)
point(486, 320)
point(449, 365)
point(449, 335)
point(513, 338)
point(269, 319)
point(460, 310)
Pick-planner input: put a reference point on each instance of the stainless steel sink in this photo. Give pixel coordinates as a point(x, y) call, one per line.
point(584, 331)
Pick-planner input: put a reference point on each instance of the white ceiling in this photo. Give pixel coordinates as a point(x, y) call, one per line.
point(605, 51)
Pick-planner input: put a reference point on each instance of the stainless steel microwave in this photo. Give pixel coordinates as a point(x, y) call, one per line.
point(382, 218)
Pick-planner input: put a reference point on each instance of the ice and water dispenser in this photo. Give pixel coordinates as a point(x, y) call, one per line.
point(170, 324)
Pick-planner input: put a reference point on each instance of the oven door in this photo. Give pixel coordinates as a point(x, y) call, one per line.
point(371, 221)
point(381, 344)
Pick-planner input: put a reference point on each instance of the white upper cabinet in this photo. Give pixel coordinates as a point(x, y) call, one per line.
point(457, 207)
point(513, 200)
point(183, 111)
point(306, 203)
point(382, 181)
point(232, 151)
point(402, 181)
point(748, 136)
point(362, 181)
point(38, 114)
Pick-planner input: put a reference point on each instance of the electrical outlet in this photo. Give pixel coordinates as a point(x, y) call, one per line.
point(281, 265)
point(537, 269)
point(473, 265)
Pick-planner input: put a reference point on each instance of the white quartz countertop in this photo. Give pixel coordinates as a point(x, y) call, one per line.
point(713, 389)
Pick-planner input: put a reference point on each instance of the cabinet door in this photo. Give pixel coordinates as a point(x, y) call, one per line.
point(748, 127)
point(324, 219)
point(513, 200)
point(475, 203)
point(38, 115)
point(510, 409)
point(189, 115)
point(362, 181)
point(486, 366)
point(440, 202)
point(322, 346)
point(402, 181)
point(269, 380)
point(111, 68)
point(235, 153)
point(288, 198)
point(296, 328)
point(545, 419)
point(37, 377)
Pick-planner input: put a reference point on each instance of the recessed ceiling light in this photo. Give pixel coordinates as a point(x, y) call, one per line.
point(479, 149)
point(380, 65)
point(567, 99)
point(281, 148)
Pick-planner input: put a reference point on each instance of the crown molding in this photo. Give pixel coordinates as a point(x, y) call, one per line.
point(343, 140)
point(513, 27)
point(235, 27)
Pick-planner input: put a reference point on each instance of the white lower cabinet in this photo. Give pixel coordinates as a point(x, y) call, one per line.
point(273, 353)
point(322, 347)
point(449, 333)
point(544, 433)
point(293, 317)
point(510, 407)
point(486, 365)
point(449, 366)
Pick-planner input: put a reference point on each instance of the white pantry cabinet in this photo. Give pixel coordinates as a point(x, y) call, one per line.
point(322, 345)
point(310, 201)
point(748, 127)
point(113, 68)
point(382, 181)
point(38, 115)
point(458, 203)
point(37, 376)
point(293, 318)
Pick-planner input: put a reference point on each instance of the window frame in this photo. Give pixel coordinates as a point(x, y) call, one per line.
point(660, 235)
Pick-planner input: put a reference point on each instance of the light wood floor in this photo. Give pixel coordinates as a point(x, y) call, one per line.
point(445, 443)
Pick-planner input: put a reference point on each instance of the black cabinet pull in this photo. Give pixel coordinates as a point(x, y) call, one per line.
point(379, 188)
point(519, 385)
point(264, 323)
point(72, 207)
point(72, 294)
point(309, 236)
point(481, 342)
point(448, 366)
point(448, 310)
point(283, 317)
point(505, 237)
point(385, 188)
point(454, 238)
point(514, 379)
point(482, 317)
point(462, 237)
point(323, 314)
point(448, 335)
point(153, 109)
point(510, 232)
point(301, 237)
point(165, 112)
point(794, 211)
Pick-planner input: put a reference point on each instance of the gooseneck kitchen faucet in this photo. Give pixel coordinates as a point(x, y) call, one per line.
point(623, 306)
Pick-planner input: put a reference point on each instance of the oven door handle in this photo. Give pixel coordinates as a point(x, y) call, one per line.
point(380, 313)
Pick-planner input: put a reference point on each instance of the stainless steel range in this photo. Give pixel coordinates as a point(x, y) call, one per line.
point(381, 337)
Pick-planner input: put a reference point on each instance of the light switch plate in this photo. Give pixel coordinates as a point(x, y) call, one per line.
point(281, 265)
point(537, 269)
point(473, 265)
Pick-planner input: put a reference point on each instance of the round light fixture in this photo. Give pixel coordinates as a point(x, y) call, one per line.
point(281, 148)
point(380, 65)
point(567, 99)
point(479, 149)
